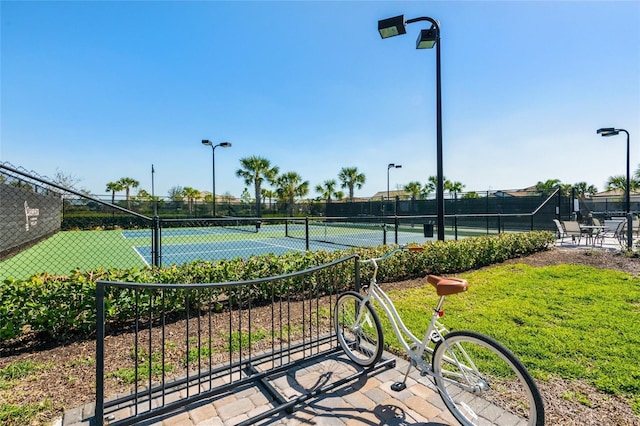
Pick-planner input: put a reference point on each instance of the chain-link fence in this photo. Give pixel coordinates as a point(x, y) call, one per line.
point(48, 228)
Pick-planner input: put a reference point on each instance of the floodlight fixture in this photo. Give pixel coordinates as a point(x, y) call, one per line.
point(608, 131)
point(392, 26)
point(427, 39)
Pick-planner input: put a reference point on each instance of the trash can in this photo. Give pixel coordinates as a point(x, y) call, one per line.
point(258, 224)
point(428, 230)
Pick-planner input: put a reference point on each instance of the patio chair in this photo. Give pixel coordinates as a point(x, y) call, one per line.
point(560, 232)
point(597, 234)
point(572, 229)
point(621, 234)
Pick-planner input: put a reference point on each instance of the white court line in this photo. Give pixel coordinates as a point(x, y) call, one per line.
point(141, 256)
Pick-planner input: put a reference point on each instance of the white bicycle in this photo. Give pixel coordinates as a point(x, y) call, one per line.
point(479, 380)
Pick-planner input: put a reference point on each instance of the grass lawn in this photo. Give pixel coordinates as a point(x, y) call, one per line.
point(566, 321)
point(570, 322)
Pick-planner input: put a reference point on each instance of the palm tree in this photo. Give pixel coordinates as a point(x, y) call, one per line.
point(268, 194)
point(565, 189)
point(290, 186)
point(429, 187)
point(128, 183)
point(583, 189)
point(328, 190)
point(619, 183)
point(351, 179)
point(254, 171)
point(191, 195)
point(414, 188)
point(114, 187)
point(548, 186)
point(453, 187)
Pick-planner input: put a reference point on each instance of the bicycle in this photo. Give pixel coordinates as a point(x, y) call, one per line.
point(479, 380)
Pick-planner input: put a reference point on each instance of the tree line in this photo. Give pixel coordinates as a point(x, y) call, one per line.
point(287, 187)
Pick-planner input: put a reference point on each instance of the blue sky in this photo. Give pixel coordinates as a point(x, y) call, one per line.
point(103, 90)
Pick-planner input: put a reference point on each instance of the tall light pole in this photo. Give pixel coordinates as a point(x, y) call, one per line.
point(426, 40)
point(389, 167)
point(611, 131)
point(213, 162)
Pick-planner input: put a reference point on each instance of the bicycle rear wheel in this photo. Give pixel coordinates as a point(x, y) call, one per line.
point(482, 382)
point(358, 329)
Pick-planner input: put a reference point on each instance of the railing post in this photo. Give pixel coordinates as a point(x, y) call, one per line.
point(100, 320)
point(357, 273)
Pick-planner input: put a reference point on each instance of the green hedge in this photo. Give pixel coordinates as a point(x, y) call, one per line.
point(57, 305)
point(103, 221)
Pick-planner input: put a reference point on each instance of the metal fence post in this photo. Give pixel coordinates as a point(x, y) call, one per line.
point(455, 226)
point(306, 231)
point(384, 233)
point(155, 242)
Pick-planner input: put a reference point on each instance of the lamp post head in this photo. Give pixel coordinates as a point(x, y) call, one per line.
point(207, 142)
point(392, 26)
point(607, 131)
point(427, 38)
point(390, 166)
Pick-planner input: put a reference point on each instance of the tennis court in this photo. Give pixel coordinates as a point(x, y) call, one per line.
point(184, 245)
point(69, 251)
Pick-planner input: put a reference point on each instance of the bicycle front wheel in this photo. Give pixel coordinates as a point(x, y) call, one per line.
point(482, 382)
point(358, 329)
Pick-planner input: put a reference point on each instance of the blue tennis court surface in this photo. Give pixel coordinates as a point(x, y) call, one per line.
point(184, 245)
point(185, 253)
point(181, 232)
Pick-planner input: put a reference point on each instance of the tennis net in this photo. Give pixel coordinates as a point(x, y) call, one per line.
point(348, 234)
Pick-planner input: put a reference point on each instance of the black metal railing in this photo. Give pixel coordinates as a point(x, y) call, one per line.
point(188, 342)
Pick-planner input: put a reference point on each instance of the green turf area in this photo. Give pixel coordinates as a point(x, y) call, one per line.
point(84, 250)
point(68, 250)
point(573, 322)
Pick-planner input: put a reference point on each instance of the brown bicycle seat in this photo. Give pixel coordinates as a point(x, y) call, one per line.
point(447, 286)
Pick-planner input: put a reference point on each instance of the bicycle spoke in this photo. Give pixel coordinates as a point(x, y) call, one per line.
point(482, 382)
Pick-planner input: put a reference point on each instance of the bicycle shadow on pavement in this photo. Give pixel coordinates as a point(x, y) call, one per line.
point(365, 400)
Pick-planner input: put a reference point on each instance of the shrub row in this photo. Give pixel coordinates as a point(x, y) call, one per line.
point(57, 305)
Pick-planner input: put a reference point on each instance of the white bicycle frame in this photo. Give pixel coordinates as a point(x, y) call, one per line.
point(435, 331)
